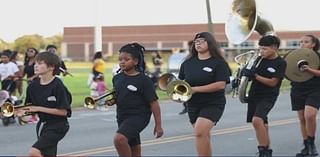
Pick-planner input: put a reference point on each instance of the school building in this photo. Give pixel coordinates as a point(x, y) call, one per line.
point(78, 42)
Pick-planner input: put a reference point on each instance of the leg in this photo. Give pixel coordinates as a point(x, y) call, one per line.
point(136, 150)
point(311, 125)
point(34, 152)
point(302, 121)
point(202, 129)
point(122, 145)
point(310, 115)
point(261, 131)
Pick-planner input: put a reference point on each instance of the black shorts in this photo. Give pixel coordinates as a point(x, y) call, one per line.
point(299, 101)
point(131, 127)
point(212, 112)
point(50, 135)
point(259, 108)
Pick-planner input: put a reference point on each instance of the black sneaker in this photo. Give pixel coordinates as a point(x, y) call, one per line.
point(183, 111)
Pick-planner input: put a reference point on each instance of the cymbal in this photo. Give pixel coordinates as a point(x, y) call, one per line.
point(307, 56)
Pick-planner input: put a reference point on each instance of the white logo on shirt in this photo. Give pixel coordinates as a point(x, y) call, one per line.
point(272, 70)
point(52, 98)
point(207, 69)
point(132, 88)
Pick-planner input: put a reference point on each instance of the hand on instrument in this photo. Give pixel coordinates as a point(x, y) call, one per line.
point(110, 102)
point(250, 73)
point(304, 68)
point(158, 131)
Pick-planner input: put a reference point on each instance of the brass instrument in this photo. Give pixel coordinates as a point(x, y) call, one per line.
point(91, 101)
point(242, 22)
point(295, 59)
point(8, 109)
point(177, 90)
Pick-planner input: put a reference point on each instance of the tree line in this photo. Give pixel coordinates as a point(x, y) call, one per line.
point(37, 41)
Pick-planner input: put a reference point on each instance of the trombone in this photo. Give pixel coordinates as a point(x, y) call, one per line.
point(8, 109)
point(91, 101)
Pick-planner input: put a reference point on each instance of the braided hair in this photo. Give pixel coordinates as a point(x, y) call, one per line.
point(137, 52)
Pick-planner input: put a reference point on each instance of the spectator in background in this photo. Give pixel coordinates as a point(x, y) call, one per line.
point(8, 72)
point(157, 62)
point(99, 65)
point(53, 49)
point(14, 59)
point(29, 62)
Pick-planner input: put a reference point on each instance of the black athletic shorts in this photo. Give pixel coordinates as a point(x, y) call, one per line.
point(50, 134)
point(298, 101)
point(212, 112)
point(131, 127)
point(260, 108)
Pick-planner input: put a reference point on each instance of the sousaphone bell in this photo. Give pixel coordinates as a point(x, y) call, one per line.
point(295, 59)
point(177, 90)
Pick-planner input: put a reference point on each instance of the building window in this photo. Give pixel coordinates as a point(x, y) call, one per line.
point(293, 43)
point(224, 44)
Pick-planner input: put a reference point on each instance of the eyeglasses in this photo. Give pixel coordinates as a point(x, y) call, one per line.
point(199, 41)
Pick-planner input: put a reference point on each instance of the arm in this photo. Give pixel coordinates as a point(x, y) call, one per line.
point(212, 87)
point(53, 111)
point(312, 71)
point(155, 108)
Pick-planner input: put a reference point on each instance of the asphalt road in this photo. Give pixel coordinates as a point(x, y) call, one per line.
point(91, 133)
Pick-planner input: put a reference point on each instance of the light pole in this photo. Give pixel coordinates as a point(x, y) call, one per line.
point(209, 17)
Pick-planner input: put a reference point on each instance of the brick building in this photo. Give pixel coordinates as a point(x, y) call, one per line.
point(78, 42)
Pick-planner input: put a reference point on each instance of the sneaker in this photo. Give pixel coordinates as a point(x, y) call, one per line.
point(183, 111)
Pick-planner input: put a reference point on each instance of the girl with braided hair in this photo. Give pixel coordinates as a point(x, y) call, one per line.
point(136, 101)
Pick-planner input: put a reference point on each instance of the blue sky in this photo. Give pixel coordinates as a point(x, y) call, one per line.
point(48, 17)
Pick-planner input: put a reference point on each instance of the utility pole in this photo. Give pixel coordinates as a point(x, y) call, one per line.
point(97, 30)
point(209, 17)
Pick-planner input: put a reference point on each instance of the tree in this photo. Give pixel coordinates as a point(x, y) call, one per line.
point(22, 43)
point(55, 40)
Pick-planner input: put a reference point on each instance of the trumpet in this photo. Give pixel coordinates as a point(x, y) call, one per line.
point(8, 109)
point(91, 101)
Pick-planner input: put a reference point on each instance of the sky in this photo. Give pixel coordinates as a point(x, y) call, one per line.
point(49, 17)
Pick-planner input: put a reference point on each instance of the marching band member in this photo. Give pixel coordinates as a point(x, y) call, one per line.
point(136, 100)
point(305, 99)
point(207, 73)
point(51, 100)
point(266, 81)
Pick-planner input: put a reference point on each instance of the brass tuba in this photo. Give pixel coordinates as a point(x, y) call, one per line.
point(242, 22)
point(91, 101)
point(177, 90)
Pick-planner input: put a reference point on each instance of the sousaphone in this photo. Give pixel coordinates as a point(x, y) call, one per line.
point(242, 22)
point(295, 59)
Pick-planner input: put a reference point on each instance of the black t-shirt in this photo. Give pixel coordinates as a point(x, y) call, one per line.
point(268, 68)
point(202, 72)
point(52, 95)
point(133, 94)
point(29, 69)
point(307, 86)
